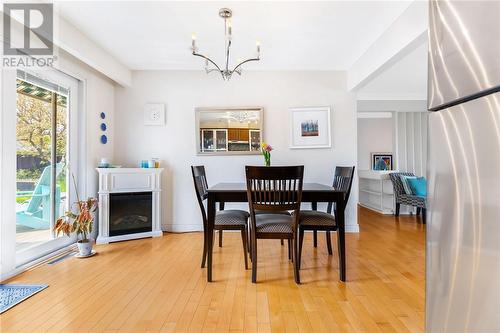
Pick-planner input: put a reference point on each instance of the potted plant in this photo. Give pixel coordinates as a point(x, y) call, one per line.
point(79, 220)
point(266, 152)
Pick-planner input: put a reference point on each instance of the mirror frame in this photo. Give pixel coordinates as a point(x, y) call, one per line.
point(199, 110)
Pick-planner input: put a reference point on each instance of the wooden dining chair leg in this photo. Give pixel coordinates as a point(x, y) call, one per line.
point(204, 258)
point(220, 238)
point(295, 259)
point(249, 242)
point(245, 246)
point(329, 243)
point(315, 238)
point(254, 260)
point(289, 250)
point(301, 241)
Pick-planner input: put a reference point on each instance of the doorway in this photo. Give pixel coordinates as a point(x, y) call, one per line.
point(46, 151)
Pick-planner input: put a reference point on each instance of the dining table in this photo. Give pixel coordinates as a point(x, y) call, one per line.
point(313, 193)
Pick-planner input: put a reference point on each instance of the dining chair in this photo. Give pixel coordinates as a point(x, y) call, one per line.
point(313, 220)
point(274, 189)
point(224, 219)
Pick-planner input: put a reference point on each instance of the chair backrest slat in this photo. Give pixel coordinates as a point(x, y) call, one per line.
point(343, 179)
point(201, 188)
point(274, 188)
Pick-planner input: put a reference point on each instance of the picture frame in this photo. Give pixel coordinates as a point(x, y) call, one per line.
point(382, 161)
point(310, 127)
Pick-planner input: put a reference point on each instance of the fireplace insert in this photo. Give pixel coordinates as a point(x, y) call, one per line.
point(130, 213)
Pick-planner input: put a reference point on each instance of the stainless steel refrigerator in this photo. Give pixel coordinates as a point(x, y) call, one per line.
point(463, 230)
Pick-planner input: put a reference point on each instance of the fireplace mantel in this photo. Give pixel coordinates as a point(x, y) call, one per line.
point(128, 180)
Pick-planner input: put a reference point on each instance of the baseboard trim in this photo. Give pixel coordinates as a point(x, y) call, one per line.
point(181, 227)
point(352, 228)
point(110, 239)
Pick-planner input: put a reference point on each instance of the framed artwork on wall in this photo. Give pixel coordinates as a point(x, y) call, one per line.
point(310, 128)
point(381, 161)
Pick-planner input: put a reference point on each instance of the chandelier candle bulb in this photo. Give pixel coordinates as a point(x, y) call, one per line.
point(193, 41)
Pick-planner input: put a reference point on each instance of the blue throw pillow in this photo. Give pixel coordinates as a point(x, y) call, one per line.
point(406, 185)
point(418, 186)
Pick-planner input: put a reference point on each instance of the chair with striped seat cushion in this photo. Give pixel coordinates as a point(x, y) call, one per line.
point(274, 223)
point(271, 190)
point(224, 219)
point(402, 198)
point(284, 212)
point(230, 218)
point(312, 217)
point(324, 221)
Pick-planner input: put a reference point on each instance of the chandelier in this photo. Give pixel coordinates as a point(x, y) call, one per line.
point(210, 65)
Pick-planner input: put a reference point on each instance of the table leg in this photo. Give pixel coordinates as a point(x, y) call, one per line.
point(210, 233)
point(339, 216)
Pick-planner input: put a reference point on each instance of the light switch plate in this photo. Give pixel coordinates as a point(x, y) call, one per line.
point(154, 114)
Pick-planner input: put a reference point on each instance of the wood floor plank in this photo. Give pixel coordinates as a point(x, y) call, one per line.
point(156, 285)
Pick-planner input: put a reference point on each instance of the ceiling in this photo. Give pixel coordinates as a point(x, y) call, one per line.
point(406, 78)
point(303, 35)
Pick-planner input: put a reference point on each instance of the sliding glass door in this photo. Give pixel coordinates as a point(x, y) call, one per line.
point(46, 151)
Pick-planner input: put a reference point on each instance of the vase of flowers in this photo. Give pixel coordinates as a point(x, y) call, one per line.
point(266, 152)
point(79, 220)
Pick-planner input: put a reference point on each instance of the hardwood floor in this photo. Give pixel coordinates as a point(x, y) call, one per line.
point(157, 285)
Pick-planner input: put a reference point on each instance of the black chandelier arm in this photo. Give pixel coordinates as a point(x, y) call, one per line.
point(244, 62)
point(208, 59)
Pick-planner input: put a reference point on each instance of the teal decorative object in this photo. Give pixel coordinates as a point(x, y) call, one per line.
point(418, 186)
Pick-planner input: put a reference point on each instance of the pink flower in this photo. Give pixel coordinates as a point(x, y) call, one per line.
point(268, 148)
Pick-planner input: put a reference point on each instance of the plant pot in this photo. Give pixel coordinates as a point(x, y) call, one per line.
point(85, 247)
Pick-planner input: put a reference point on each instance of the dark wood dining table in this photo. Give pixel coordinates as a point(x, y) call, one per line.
point(311, 192)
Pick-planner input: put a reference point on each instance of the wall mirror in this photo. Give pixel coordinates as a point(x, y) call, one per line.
point(228, 131)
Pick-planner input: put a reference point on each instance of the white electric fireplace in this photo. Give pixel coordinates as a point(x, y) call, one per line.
point(129, 204)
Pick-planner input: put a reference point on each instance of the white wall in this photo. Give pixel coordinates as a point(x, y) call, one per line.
point(174, 143)
point(374, 135)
